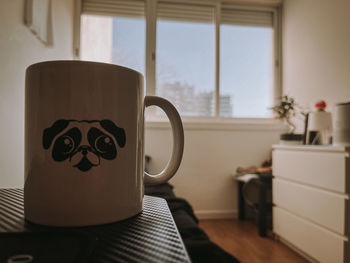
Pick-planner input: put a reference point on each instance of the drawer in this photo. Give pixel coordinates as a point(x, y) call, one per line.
point(322, 207)
point(313, 240)
point(323, 169)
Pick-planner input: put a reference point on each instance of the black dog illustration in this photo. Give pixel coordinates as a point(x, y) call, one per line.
point(83, 149)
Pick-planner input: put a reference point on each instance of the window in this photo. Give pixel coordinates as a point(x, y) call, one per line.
point(185, 62)
point(246, 63)
point(114, 36)
point(208, 58)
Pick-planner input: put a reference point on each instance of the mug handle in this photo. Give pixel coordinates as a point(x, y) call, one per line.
point(178, 141)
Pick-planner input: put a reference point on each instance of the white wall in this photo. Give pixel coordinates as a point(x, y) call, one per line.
point(316, 50)
point(212, 152)
point(18, 49)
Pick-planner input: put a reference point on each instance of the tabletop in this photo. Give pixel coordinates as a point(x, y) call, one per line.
point(151, 236)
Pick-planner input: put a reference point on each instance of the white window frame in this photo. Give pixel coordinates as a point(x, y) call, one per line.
point(150, 60)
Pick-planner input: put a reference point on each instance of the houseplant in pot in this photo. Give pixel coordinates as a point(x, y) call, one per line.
point(285, 110)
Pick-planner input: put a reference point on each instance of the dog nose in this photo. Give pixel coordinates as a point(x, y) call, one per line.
point(84, 149)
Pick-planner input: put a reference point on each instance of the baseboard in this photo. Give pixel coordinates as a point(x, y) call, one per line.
point(216, 214)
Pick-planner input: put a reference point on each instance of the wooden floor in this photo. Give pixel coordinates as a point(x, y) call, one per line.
point(241, 239)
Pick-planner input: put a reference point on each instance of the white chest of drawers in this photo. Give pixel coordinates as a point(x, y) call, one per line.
point(311, 211)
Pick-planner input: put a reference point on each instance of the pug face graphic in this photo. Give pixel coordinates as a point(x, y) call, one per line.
point(83, 143)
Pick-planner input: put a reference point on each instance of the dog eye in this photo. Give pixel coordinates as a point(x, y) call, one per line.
point(104, 143)
point(65, 144)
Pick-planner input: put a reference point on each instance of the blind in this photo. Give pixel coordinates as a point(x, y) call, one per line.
point(185, 12)
point(125, 8)
point(236, 16)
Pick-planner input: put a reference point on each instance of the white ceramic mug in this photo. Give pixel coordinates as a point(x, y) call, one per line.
point(84, 143)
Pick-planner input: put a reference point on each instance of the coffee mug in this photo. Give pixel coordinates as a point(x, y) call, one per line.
point(84, 143)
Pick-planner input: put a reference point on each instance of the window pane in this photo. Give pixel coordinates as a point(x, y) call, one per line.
point(185, 66)
point(246, 72)
point(117, 40)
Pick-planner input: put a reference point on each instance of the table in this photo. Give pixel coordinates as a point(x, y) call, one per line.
point(264, 182)
point(151, 236)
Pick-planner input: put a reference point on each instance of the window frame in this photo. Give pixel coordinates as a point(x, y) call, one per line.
point(150, 60)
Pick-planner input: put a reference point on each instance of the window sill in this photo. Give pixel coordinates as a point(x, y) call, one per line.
point(223, 124)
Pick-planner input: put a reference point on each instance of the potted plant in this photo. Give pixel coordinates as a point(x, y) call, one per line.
point(285, 110)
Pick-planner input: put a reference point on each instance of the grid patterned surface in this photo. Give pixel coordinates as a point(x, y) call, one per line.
point(151, 236)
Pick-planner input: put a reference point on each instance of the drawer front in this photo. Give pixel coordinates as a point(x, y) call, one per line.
point(322, 169)
point(322, 207)
point(313, 240)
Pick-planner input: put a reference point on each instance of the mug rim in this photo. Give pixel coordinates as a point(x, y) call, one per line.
point(102, 64)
